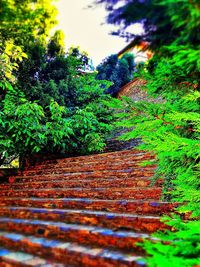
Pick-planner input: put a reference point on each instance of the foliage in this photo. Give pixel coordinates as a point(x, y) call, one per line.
point(47, 104)
point(50, 73)
point(88, 132)
point(158, 18)
point(91, 117)
point(118, 71)
point(24, 125)
point(26, 21)
point(8, 57)
point(56, 44)
point(183, 245)
point(170, 128)
point(27, 24)
point(27, 127)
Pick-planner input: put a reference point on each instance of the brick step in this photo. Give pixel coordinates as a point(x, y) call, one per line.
point(100, 157)
point(94, 166)
point(130, 206)
point(134, 160)
point(71, 253)
point(86, 175)
point(85, 183)
point(10, 258)
point(95, 193)
point(102, 169)
point(82, 234)
point(139, 171)
point(84, 211)
point(95, 218)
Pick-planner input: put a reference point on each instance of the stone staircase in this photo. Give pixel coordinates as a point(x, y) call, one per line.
point(81, 212)
point(113, 143)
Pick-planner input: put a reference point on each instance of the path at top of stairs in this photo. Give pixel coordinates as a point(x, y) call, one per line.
point(81, 212)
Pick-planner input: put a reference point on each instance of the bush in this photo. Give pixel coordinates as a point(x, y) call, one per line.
point(27, 127)
point(170, 129)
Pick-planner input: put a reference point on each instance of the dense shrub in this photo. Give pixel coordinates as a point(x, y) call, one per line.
point(28, 127)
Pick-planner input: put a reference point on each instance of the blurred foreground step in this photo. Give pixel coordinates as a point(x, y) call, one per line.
point(21, 259)
point(78, 233)
point(70, 253)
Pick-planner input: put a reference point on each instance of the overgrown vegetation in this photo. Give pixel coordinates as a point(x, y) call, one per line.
point(171, 128)
point(47, 103)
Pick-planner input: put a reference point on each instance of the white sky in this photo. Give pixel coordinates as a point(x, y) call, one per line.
point(82, 27)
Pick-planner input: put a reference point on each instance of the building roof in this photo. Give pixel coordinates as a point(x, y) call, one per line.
point(140, 49)
point(142, 46)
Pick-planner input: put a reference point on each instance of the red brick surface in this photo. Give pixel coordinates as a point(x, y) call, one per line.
point(101, 205)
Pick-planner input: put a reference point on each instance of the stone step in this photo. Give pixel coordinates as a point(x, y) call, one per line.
point(84, 175)
point(85, 183)
point(83, 211)
point(133, 160)
point(71, 253)
point(134, 222)
point(143, 193)
point(98, 166)
point(131, 206)
point(116, 145)
point(81, 234)
point(90, 170)
point(100, 157)
point(10, 258)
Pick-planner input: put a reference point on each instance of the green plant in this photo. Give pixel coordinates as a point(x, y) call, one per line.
point(88, 132)
point(177, 248)
point(170, 128)
point(27, 127)
point(46, 105)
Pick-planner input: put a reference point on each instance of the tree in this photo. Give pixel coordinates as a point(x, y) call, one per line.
point(54, 75)
point(26, 21)
point(118, 71)
point(157, 20)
